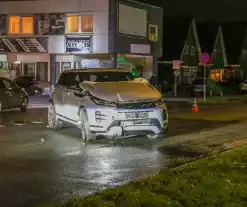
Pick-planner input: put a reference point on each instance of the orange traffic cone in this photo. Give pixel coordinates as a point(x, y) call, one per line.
point(194, 106)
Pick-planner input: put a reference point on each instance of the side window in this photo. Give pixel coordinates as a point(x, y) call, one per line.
point(8, 84)
point(69, 79)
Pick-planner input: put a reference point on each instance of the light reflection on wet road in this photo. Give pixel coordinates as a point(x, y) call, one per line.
point(39, 165)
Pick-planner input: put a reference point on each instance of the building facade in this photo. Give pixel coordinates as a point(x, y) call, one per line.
point(42, 38)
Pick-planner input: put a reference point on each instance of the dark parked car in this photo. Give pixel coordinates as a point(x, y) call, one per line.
point(28, 84)
point(197, 88)
point(12, 96)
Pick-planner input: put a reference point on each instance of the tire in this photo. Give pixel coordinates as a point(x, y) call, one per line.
point(1, 106)
point(53, 122)
point(24, 104)
point(86, 134)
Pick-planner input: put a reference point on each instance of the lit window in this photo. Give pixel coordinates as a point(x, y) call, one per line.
point(87, 24)
point(14, 24)
point(27, 25)
point(72, 24)
point(153, 32)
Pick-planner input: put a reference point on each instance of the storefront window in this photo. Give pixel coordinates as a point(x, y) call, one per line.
point(73, 24)
point(42, 71)
point(65, 66)
point(18, 24)
point(14, 24)
point(28, 69)
point(153, 32)
point(87, 23)
point(27, 25)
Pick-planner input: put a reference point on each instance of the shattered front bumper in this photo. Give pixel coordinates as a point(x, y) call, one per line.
point(112, 122)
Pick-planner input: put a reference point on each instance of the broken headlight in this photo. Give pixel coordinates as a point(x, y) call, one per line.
point(159, 102)
point(103, 102)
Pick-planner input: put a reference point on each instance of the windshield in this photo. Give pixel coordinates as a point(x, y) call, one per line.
point(105, 76)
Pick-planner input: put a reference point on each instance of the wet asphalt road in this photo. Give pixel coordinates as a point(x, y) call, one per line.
point(40, 166)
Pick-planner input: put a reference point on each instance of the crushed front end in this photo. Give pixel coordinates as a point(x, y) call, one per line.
point(130, 118)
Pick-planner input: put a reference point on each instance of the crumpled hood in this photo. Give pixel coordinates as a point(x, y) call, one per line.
point(122, 91)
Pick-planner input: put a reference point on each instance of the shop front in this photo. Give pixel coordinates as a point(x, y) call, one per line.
point(25, 57)
point(76, 52)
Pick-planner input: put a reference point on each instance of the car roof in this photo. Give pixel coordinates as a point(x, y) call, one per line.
point(96, 70)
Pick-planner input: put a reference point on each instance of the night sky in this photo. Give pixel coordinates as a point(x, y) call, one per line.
point(216, 10)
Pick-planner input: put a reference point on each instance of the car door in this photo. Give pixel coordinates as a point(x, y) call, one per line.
point(71, 102)
point(4, 97)
point(14, 93)
point(57, 95)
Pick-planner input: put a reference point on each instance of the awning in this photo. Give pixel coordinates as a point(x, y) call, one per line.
point(22, 44)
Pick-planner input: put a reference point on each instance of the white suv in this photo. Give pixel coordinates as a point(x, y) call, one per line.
point(107, 102)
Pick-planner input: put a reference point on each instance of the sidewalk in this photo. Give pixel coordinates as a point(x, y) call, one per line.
point(201, 99)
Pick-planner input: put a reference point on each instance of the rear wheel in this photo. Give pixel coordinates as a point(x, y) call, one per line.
point(53, 122)
point(24, 104)
point(86, 134)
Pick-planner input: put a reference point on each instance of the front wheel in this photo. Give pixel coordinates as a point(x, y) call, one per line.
point(86, 134)
point(24, 104)
point(53, 122)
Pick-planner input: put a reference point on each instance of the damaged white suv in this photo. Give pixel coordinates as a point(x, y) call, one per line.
point(107, 102)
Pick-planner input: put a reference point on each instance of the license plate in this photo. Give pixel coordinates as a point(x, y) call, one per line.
point(136, 115)
point(142, 122)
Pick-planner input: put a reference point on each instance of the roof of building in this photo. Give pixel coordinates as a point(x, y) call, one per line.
point(207, 32)
point(174, 36)
point(234, 34)
point(96, 70)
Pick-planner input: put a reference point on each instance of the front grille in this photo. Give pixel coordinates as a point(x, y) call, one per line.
point(139, 105)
